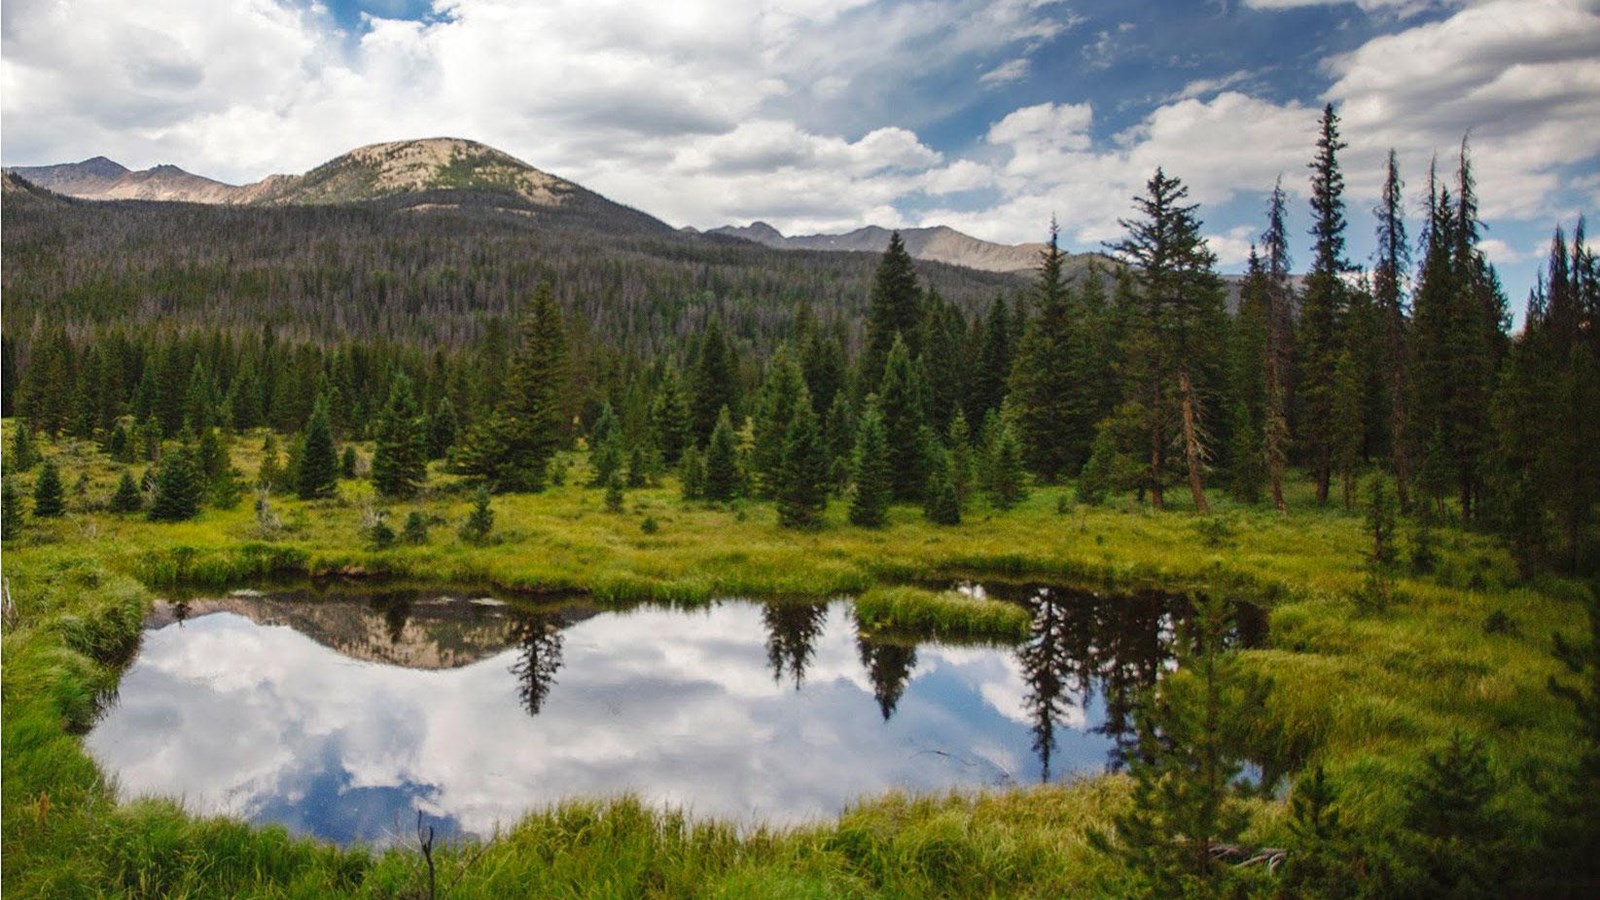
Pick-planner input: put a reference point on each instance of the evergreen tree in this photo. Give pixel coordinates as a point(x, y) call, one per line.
point(1097, 480)
point(400, 452)
point(119, 444)
point(442, 428)
point(1179, 321)
point(825, 367)
point(722, 477)
point(1247, 475)
point(1575, 807)
point(1185, 801)
point(840, 429)
point(1346, 432)
point(901, 405)
point(605, 445)
point(1006, 474)
point(776, 407)
point(512, 447)
point(961, 464)
point(479, 522)
point(11, 515)
point(692, 473)
point(942, 503)
point(178, 489)
point(895, 311)
point(716, 381)
point(869, 506)
point(1322, 309)
point(348, 461)
point(614, 495)
point(23, 456)
point(48, 500)
point(1388, 288)
point(671, 420)
point(1054, 440)
point(317, 475)
point(127, 497)
point(995, 359)
point(802, 488)
point(270, 474)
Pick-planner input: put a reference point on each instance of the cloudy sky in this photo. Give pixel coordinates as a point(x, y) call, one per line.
point(830, 114)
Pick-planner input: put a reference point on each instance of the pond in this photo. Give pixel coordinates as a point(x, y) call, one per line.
point(341, 715)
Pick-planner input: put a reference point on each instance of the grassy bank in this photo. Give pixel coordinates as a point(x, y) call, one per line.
point(1366, 694)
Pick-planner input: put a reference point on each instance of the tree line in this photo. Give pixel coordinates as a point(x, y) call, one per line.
point(1127, 378)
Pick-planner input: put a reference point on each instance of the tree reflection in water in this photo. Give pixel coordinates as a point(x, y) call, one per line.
point(889, 665)
point(396, 609)
point(538, 635)
point(792, 632)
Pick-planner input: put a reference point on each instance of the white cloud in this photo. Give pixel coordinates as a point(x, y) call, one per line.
point(1005, 73)
point(1233, 246)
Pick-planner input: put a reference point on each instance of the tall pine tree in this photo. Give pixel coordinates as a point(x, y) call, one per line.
point(400, 453)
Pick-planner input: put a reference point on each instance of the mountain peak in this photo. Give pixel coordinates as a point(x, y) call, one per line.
point(418, 166)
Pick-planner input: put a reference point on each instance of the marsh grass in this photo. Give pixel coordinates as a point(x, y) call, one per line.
point(1364, 693)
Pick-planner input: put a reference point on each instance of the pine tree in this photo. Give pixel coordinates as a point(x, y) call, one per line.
point(1055, 442)
point(692, 473)
point(1185, 802)
point(479, 522)
point(512, 447)
point(1247, 475)
point(722, 477)
point(1006, 473)
point(901, 405)
point(716, 381)
point(1098, 478)
point(23, 456)
point(127, 497)
point(1180, 321)
point(11, 515)
point(776, 407)
point(671, 420)
point(802, 488)
point(895, 311)
point(959, 443)
point(178, 488)
point(317, 475)
point(605, 444)
point(1346, 433)
point(1388, 281)
point(48, 501)
point(942, 503)
point(270, 474)
point(442, 428)
point(1322, 309)
point(400, 453)
point(995, 359)
point(869, 506)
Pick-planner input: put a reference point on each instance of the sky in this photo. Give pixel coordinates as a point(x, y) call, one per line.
point(826, 115)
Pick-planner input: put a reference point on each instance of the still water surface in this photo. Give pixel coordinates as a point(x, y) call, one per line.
point(341, 716)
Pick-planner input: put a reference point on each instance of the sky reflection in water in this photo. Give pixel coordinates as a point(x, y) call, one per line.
point(777, 712)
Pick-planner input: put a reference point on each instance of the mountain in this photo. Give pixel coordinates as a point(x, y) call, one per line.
point(420, 175)
point(938, 244)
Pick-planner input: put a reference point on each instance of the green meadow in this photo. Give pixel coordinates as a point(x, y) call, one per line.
point(1366, 692)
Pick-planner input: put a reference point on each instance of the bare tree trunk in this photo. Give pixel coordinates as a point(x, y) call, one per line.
point(1192, 451)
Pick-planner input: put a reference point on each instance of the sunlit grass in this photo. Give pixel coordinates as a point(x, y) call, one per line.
point(1365, 694)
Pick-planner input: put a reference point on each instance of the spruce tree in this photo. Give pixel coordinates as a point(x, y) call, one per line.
point(317, 475)
point(1098, 478)
point(127, 497)
point(400, 452)
point(692, 473)
point(11, 514)
point(23, 456)
point(1185, 800)
point(942, 502)
point(671, 420)
point(962, 466)
point(1006, 472)
point(442, 427)
point(895, 311)
point(512, 447)
point(1247, 474)
point(475, 529)
point(901, 405)
point(48, 501)
point(722, 478)
point(869, 505)
point(1322, 308)
point(178, 488)
point(1388, 280)
point(1178, 325)
point(802, 488)
point(605, 447)
point(776, 407)
point(1041, 384)
point(995, 357)
point(716, 381)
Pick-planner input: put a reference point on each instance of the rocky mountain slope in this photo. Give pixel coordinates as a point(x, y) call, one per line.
point(939, 244)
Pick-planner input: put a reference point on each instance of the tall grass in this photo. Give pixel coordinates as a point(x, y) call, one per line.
point(1365, 694)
